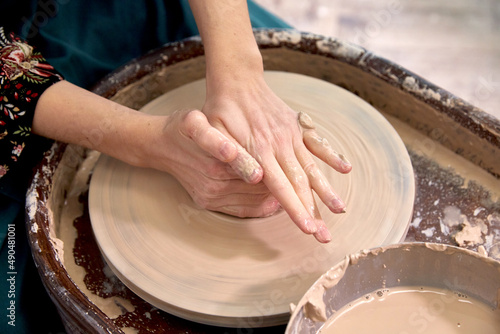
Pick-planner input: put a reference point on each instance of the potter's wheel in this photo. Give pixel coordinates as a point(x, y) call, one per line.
point(221, 270)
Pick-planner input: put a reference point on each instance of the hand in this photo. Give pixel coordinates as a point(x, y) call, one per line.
point(282, 141)
point(241, 105)
point(218, 174)
point(184, 144)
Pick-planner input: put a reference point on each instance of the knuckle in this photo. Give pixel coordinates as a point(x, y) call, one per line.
point(215, 170)
point(310, 168)
point(193, 121)
point(281, 185)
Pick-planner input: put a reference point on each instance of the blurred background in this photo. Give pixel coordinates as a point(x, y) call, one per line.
point(454, 44)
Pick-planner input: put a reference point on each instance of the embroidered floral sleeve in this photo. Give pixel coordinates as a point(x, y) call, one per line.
point(24, 75)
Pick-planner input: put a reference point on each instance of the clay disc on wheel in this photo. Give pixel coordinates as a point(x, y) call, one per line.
point(221, 270)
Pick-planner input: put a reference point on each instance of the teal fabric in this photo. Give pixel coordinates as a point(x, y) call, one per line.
point(83, 40)
point(88, 39)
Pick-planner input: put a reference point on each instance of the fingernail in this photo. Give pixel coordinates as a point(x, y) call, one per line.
point(323, 235)
point(252, 174)
point(345, 162)
point(310, 226)
point(228, 151)
point(271, 208)
point(337, 206)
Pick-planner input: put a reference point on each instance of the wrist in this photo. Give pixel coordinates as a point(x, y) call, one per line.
point(234, 65)
point(233, 77)
point(138, 141)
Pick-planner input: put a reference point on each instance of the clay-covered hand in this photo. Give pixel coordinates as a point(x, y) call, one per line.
point(283, 141)
point(218, 174)
point(241, 105)
point(184, 144)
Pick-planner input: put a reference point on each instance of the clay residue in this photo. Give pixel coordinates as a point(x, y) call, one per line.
point(31, 204)
point(340, 48)
point(129, 330)
point(495, 251)
point(305, 121)
point(482, 251)
point(314, 307)
point(334, 275)
point(411, 84)
point(277, 37)
point(452, 217)
point(245, 165)
point(323, 142)
point(472, 230)
point(66, 233)
point(471, 234)
point(436, 246)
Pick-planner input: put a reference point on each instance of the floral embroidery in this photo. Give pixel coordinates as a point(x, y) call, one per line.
point(24, 75)
point(17, 150)
point(9, 109)
point(3, 170)
point(18, 59)
point(23, 131)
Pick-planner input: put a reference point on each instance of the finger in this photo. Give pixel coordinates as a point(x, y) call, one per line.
point(213, 186)
point(322, 234)
point(214, 142)
point(211, 140)
point(300, 182)
point(222, 189)
point(279, 185)
point(236, 198)
point(246, 166)
point(319, 183)
point(244, 206)
point(321, 148)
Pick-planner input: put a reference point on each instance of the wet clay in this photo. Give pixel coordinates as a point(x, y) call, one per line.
point(218, 269)
point(305, 121)
point(411, 310)
point(246, 166)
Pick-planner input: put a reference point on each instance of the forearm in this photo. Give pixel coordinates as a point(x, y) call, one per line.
point(231, 51)
point(71, 114)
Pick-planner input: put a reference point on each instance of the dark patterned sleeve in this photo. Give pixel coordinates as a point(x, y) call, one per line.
point(24, 76)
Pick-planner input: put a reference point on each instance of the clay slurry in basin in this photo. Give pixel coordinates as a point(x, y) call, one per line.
point(414, 310)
